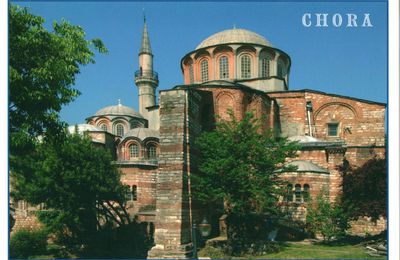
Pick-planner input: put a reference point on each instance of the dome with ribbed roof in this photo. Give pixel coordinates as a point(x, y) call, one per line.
point(234, 36)
point(118, 110)
point(141, 133)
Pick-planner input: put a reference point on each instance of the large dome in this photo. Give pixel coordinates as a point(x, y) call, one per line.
point(118, 110)
point(234, 36)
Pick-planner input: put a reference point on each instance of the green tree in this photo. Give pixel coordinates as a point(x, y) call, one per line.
point(330, 219)
point(42, 69)
point(238, 167)
point(78, 184)
point(365, 188)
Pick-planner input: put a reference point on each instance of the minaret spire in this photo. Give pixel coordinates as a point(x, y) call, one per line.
point(146, 47)
point(146, 79)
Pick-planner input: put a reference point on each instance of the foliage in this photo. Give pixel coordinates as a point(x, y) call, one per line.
point(128, 241)
point(25, 243)
point(328, 219)
point(365, 188)
point(42, 68)
point(238, 167)
point(79, 185)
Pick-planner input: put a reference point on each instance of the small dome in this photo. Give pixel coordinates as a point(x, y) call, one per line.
point(141, 133)
point(82, 128)
point(234, 36)
point(303, 139)
point(305, 166)
point(118, 110)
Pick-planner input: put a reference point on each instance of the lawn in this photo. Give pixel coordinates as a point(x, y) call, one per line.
point(304, 251)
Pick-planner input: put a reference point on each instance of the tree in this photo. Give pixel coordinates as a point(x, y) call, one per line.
point(365, 188)
point(79, 186)
point(238, 166)
point(329, 219)
point(42, 69)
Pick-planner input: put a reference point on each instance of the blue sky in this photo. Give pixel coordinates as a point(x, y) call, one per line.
point(344, 61)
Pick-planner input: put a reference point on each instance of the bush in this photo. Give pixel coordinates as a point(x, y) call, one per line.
point(25, 243)
point(328, 219)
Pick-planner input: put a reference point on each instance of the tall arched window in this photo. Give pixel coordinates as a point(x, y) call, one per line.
point(306, 192)
point(281, 70)
point(289, 193)
point(120, 129)
point(134, 192)
point(103, 127)
point(265, 67)
point(204, 70)
point(245, 66)
point(191, 74)
point(128, 193)
point(223, 67)
point(152, 151)
point(297, 192)
point(133, 151)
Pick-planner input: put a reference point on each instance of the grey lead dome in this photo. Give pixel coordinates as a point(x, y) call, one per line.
point(118, 110)
point(234, 36)
point(141, 133)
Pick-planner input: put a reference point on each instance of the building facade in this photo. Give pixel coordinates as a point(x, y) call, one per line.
point(241, 71)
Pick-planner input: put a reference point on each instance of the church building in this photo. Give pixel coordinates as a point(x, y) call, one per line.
point(240, 70)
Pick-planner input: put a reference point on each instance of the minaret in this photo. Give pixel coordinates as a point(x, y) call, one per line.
point(145, 78)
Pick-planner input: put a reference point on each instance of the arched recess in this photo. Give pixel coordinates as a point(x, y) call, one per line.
point(101, 122)
point(126, 148)
point(325, 106)
point(255, 105)
point(225, 102)
point(152, 148)
point(265, 59)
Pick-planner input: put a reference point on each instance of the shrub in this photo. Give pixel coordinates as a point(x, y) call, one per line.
point(328, 219)
point(25, 243)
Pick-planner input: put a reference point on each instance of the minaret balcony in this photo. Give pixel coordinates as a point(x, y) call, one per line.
point(145, 76)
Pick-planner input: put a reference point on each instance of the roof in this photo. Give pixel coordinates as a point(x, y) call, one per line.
point(141, 133)
point(82, 128)
point(118, 110)
point(234, 36)
point(304, 166)
point(303, 139)
point(329, 94)
point(145, 47)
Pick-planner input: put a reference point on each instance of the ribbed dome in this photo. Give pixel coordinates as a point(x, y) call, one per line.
point(306, 166)
point(141, 133)
point(118, 110)
point(234, 36)
point(82, 128)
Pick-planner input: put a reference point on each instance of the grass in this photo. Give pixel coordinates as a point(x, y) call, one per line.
point(302, 251)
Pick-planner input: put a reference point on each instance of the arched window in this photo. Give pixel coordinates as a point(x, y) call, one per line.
point(204, 71)
point(151, 151)
point(133, 151)
point(265, 67)
point(306, 192)
point(104, 127)
point(134, 192)
point(191, 74)
point(297, 192)
point(128, 193)
point(289, 193)
point(281, 70)
point(120, 129)
point(223, 67)
point(245, 66)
